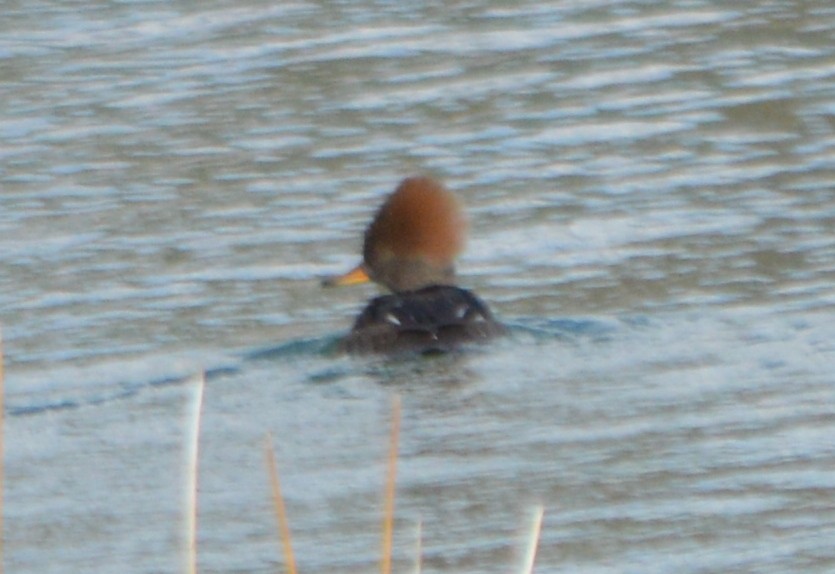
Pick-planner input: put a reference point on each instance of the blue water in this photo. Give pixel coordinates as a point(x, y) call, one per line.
point(649, 188)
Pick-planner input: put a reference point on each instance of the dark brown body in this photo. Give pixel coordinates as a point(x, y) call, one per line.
point(439, 318)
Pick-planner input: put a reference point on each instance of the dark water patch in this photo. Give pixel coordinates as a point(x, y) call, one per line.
point(569, 329)
point(316, 346)
point(94, 393)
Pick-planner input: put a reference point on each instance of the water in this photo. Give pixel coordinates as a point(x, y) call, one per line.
point(651, 203)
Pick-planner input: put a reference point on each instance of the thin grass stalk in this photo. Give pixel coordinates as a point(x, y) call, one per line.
point(388, 509)
point(533, 540)
point(2, 448)
point(419, 547)
point(192, 464)
point(280, 509)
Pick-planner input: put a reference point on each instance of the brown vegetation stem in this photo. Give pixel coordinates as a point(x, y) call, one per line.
point(388, 511)
point(2, 449)
point(280, 509)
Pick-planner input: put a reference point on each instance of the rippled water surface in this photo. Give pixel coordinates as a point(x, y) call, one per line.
point(650, 191)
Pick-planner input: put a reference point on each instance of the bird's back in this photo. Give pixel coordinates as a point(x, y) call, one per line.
point(433, 319)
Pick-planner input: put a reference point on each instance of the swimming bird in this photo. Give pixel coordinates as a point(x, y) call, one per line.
point(410, 248)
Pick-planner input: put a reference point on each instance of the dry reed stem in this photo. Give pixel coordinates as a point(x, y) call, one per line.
point(280, 509)
point(419, 547)
point(533, 540)
point(388, 510)
point(2, 450)
point(192, 463)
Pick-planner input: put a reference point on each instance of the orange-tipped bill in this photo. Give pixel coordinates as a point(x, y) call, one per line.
point(353, 277)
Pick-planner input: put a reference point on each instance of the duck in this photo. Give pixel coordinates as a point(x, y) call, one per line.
point(410, 248)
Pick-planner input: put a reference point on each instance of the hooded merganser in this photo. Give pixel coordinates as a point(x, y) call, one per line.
point(410, 248)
